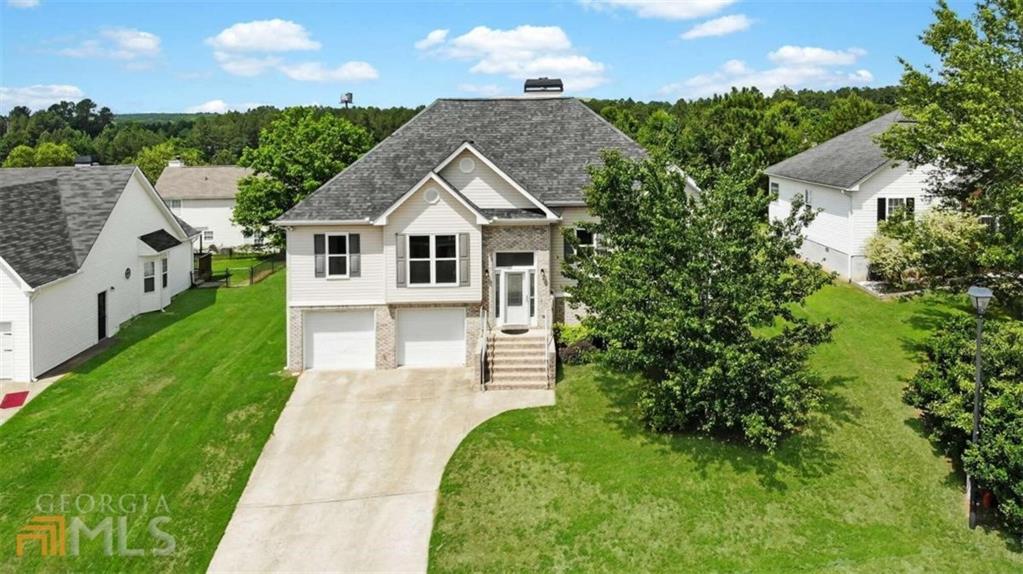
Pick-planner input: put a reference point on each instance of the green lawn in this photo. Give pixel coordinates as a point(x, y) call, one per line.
point(238, 266)
point(581, 487)
point(178, 408)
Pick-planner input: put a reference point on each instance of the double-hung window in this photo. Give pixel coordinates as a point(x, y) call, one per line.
point(587, 240)
point(433, 259)
point(207, 235)
point(149, 276)
point(163, 272)
point(337, 255)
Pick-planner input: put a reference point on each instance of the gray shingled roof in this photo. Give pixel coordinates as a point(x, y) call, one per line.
point(160, 240)
point(200, 182)
point(53, 215)
point(842, 161)
point(544, 144)
point(34, 238)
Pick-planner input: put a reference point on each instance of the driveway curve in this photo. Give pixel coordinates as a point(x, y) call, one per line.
point(349, 479)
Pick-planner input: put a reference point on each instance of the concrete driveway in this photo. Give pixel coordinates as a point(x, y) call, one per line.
point(349, 479)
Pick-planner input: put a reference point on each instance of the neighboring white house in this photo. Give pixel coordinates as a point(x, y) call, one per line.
point(82, 249)
point(853, 185)
point(204, 197)
point(456, 216)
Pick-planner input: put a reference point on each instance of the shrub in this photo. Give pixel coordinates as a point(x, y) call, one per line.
point(941, 247)
point(577, 353)
point(565, 334)
point(575, 344)
point(943, 390)
point(890, 258)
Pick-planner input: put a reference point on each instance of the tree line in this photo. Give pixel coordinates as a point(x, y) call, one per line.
point(774, 126)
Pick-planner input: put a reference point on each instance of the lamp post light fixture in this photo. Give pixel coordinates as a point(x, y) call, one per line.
point(980, 297)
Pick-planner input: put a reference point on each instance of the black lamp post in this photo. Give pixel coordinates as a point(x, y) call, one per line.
point(980, 297)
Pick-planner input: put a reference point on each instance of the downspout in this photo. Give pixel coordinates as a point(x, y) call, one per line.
point(31, 336)
point(849, 230)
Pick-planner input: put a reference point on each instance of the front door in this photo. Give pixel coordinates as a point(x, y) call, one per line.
point(516, 298)
point(101, 308)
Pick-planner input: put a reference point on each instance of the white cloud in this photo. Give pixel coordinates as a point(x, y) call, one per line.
point(523, 52)
point(484, 90)
point(245, 65)
point(317, 72)
point(22, 3)
point(812, 56)
point(718, 27)
point(38, 96)
point(264, 36)
point(253, 48)
point(432, 39)
point(219, 107)
point(136, 48)
point(663, 9)
point(805, 67)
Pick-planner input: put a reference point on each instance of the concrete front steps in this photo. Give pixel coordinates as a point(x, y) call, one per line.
point(517, 361)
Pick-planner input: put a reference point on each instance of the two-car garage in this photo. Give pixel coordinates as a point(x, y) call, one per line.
point(423, 337)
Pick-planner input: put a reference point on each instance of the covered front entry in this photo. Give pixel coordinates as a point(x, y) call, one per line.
point(340, 340)
point(515, 289)
point(431, 337)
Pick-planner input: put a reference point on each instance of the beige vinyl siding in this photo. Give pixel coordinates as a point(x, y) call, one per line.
point(569, 217)
point(892, 181)
point(483, 186)
point(446, 216)
point(832, 227)
point(304, 288)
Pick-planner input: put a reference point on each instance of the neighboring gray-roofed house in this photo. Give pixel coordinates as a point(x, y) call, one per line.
point(82, 249)
point(205, 196)
point(853, 185)
point(449, 227)
point(842, 161)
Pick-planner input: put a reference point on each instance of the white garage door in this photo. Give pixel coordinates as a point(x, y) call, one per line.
point(340, 340)
point(431, 337)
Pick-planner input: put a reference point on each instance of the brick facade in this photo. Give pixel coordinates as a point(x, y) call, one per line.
point(535, 238)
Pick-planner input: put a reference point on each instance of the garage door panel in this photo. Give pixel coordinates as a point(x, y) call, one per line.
point(340, 340)
point(431, 337)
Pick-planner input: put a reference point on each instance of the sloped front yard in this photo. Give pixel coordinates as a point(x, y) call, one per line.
point(166, 423)
point(582, 487)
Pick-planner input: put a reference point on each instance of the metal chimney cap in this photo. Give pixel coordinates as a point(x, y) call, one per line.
point(544, 84)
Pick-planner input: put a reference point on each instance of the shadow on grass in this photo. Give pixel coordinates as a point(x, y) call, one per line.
point(956, 479)
point(803, 457)
point(142, 326)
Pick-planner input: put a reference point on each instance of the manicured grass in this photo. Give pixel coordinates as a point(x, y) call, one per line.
point(238, 266)
point(582, 487)
point(178, 408)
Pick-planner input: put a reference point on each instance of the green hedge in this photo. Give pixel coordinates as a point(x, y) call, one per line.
point(943, 389)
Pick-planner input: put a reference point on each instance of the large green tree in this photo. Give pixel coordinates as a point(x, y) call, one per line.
point(967, 114)
point(51, 154)
point(697, 292)
point(21, 156)
point(298, 152)
point(153, 159)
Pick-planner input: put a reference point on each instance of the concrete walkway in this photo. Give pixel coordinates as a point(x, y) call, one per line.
point(348, 481)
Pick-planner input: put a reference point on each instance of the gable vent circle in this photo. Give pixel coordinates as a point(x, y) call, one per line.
point(466, 165)
point(431, 195)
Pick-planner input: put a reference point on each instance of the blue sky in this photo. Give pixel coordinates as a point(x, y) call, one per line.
point(212, 56)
